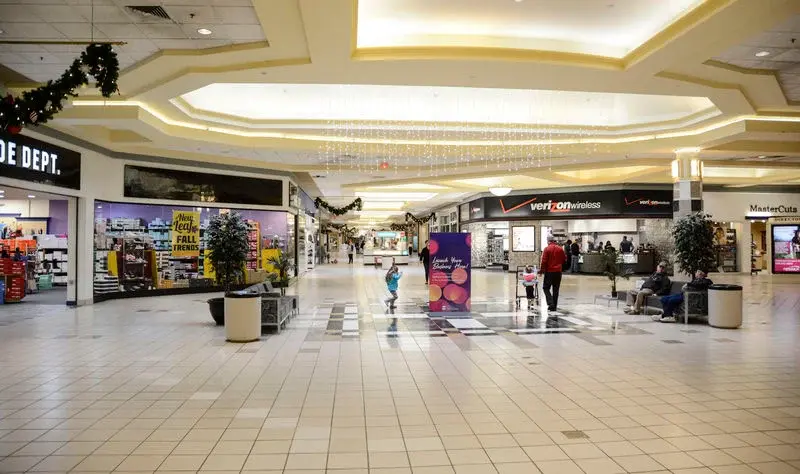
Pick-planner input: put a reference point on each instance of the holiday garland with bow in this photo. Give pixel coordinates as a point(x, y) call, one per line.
point(421, 220)
point(39, 105)
point(343, 228)
point(338, 211)
point(404, 227)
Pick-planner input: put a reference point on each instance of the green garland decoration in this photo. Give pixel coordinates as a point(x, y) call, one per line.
point(39, 105)
point(343, 228)
point(405, 227)
point(338, 211)
point(421, 220)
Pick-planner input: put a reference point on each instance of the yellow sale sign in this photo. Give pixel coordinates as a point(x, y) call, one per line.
point(185, 234)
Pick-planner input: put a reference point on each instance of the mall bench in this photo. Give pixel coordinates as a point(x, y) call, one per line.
point(276, 309)
point(695, 303)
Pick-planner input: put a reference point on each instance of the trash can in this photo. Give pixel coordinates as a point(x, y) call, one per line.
point(242, 316)
point(725, 306)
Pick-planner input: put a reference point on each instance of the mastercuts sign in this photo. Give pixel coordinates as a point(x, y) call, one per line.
point(28, 159)
point(781, 209)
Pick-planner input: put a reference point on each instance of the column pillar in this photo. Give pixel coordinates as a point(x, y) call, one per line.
point(687, 176)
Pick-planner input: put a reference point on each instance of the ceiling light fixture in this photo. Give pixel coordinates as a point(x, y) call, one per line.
point(31, 196)
point(499, 190)
point(761, 54)
point(204, 31)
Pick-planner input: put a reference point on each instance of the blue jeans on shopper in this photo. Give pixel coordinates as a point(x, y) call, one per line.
point(670, 303)
point(574, 268)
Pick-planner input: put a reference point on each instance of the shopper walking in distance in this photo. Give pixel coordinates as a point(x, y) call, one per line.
point(425, 258)
point(553, 259)
point(351, 249)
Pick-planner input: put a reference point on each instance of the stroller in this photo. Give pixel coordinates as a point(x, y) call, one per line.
point(518, 296)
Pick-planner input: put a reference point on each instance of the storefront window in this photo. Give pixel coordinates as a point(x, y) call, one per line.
point(138, 247)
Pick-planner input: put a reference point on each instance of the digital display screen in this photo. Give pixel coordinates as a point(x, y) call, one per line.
point(786, 248)
point(523, 239)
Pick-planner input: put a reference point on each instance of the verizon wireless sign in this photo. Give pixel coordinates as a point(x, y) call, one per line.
point(28, 159)
point(654, 203)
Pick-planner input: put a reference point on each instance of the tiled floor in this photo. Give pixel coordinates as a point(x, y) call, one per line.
point(150, 385)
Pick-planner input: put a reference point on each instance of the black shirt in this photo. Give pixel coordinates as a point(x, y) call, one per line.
point(626, 246)
point(659, 283)
point(576, 249)
point(425, 256)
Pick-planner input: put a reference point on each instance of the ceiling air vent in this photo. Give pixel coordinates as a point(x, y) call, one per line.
point(150, 10)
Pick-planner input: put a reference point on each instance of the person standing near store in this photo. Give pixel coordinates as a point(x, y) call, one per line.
point(553, 258)
point(425, 258)
point(351, 249)
point(567, 252)
point(575, 251)
point(626, 246)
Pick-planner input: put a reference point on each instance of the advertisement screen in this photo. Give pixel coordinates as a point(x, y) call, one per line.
point(450, 273)
point(523, 239)
point(786, 248)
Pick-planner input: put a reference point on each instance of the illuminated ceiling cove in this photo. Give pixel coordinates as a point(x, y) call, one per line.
point(322, 102)
point(610, 28)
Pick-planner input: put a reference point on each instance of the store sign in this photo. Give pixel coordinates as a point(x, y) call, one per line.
point(29, 159)
point(563, 205)
point(647, 202)
point(450, 272)
point(771, 210)
point(185, 234)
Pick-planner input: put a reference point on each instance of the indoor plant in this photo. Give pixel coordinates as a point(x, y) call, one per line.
point(226, 241)
point(283, 265)
point(694, 243)
point(613, 269)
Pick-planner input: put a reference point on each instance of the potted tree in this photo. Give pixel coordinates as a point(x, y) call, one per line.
point(694, 243)
point(226, 240)
point(283, 265)
point(613, 269)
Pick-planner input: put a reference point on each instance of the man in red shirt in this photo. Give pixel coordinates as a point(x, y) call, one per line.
point(553, 258)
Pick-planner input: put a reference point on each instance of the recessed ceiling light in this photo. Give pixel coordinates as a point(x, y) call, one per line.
point(204, 31)
point(761, 54)
point(762, 156)
point(31, 196)
point(518, 1)
point(2, 31)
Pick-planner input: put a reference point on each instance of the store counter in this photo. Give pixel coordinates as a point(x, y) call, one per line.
point(643, 263)
point(377, 259)
point(592, 263)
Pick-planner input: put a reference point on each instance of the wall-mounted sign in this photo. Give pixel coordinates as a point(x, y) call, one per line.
point(179, 185)
point(767, 210)
point(657, 203)
point(29, 159)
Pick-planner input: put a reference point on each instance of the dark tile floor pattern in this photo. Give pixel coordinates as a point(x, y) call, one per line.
point(490, 318)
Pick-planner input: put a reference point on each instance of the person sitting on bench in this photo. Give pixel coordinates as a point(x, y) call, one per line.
point(670, 303)
point(656, 284)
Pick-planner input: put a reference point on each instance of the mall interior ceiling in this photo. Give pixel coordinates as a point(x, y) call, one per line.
point(415, 103)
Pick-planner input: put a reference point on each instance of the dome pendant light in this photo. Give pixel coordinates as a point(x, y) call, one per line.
point(499, 190)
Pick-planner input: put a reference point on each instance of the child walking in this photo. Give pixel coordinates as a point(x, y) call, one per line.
point(392, 280)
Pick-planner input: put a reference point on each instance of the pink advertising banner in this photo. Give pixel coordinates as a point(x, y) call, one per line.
point(450, 273)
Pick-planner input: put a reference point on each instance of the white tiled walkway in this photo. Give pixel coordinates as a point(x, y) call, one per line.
point(150, 385)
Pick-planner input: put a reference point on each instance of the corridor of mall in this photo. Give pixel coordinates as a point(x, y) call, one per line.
point(400, 236)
